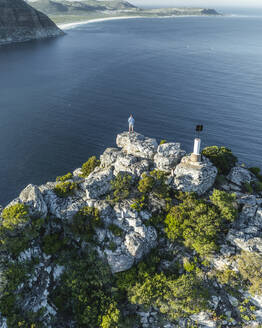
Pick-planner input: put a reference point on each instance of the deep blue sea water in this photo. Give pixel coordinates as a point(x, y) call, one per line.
point(64, 100)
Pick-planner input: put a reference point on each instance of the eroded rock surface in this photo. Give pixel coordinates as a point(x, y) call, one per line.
point(136, 144)
point(195, 177)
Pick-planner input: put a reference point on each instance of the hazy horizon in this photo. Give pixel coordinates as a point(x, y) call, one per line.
point(199, 3)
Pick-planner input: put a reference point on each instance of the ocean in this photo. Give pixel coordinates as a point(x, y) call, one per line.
point(64, 100)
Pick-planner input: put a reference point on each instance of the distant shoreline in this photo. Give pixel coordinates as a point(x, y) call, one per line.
point(67, 26)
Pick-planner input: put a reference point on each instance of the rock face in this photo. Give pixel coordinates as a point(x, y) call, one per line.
point(194, 176)
point(98, 183)
point(168, 156)
point(19, 22)
point(136, 144)
point(33, 198)
point(239, 175)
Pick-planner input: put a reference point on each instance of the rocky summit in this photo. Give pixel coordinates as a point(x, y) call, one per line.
point(20, 22)
point(143, 237)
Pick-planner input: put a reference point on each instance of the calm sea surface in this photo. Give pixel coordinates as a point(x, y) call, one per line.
point(64, 100)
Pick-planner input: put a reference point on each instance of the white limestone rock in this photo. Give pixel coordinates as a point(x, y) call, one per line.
point(131, 164)
point(109, 157)
point(194, 176)
point(119, 262)
point(168, 156)
point(204, 320)
point(77, 172)
point(62, 208)
point(136, 144)
point(98, 183)
point(32, 197)
point(239, 175)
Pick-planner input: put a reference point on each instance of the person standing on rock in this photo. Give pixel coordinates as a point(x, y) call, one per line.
point(131, 122)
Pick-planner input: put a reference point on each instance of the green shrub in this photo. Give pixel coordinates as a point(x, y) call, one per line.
point(116, 230)
point(111, 318)
point(65, 177)
point(15, 215)
point(65, 189)
point(189, 266)
point(221, 157)
point(154, 182)
point(89, 166)
point(248, 187)
point(53, 243)
point(174, 297)
point(121, 186)
point(140, 203)
point(249, 266)
point(228, 277)
point(112, 246)
point(126, 280)
point(162, 142)
point(84, 222)
point(258, 186)
point(225, 203)
point(84, 292)
point(255, 170)
point(13, 293)
point(197, 223)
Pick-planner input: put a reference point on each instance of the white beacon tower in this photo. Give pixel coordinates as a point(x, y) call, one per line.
point(196, 155)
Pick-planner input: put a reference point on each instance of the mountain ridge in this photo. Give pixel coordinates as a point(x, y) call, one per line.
point(20, 22)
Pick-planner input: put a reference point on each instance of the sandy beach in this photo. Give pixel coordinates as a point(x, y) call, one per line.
point(73, 25)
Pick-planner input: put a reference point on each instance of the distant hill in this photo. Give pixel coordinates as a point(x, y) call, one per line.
point(20, 22)
point(64, 11)
point(50, 7)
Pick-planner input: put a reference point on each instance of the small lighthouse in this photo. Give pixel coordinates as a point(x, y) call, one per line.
point(196, 155)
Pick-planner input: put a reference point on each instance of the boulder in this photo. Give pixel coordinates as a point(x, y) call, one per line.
point(141, 240)
point(62, 208)
point(131, 164)
point(98, 183)
point(239, 175)
point(135, 245)
point(168, 156)
point(32, 197)
point(109, 157)
point(119, 262)
point(194, 176)
point(136, 144)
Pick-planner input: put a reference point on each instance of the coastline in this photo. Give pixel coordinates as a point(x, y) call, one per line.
point(67, 26)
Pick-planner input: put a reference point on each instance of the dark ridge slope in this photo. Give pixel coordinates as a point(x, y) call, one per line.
point(20, 22)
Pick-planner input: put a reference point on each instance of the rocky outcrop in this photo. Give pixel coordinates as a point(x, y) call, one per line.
point(98, 183)
point(195, 177)
point(239, 175)
point(125, 236)
point(168, 156)
point(137, 145)
point(20, 22)
point(33, 198)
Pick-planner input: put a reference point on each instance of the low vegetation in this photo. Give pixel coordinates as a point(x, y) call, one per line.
point(221, 157)
point(121, 186)
point(85, 221)
point(89, 166)
point(65, 189)
point(249, 265)
point(14, 216)
point(198, 223)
